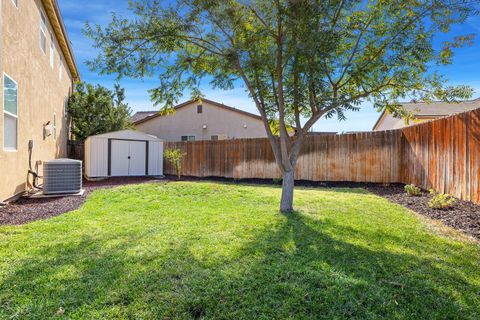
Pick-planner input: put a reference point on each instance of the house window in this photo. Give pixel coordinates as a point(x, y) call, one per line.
point(65, 107)
point(54, 129)
point(199, 108)
point(215, 137)
point(15, 2)
point(52, 50)
point(10, 113)
point(188, 138)
point(43, 32)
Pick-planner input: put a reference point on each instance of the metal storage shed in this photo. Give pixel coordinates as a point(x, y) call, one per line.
point(123, 153)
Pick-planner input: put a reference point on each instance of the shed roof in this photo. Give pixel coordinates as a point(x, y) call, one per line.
point(127, 134)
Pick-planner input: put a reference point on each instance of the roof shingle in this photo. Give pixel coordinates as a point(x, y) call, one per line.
point(141, 115)
point(441, 108)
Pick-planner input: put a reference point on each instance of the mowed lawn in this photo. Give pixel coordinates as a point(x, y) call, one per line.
point(211, 250)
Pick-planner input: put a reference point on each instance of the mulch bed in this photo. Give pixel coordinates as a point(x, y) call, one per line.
point(463, 216)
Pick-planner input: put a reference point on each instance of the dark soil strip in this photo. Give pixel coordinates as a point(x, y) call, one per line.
point(463, 216)
point(27, 209)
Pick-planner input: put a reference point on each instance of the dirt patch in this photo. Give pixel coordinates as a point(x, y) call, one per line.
point(463, 216)
point(27, 209)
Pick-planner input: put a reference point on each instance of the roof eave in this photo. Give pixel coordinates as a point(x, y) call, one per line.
point(379, 120)
point(55, 17)
point(183, 104)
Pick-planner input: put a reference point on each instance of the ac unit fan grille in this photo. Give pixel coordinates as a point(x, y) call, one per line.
point(62, 176)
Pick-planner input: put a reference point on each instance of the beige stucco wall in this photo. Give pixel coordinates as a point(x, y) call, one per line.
point(187, 122)
point(388, 122)
point(40, 92)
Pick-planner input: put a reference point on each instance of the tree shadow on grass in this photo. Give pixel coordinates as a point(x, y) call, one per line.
point(299, 270)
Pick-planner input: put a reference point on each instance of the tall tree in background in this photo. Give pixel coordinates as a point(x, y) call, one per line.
point(300, 60)
point(94, 110)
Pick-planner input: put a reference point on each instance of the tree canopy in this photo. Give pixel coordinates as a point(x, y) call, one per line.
point(95, 110)
point(299, 60)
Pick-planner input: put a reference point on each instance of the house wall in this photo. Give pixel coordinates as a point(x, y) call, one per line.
point(41, 93)
point(187, 122)
point(388, 122)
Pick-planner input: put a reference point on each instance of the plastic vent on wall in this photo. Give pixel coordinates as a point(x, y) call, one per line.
point(62, 176)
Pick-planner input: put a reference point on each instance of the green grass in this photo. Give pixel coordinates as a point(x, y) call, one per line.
point(211, 250)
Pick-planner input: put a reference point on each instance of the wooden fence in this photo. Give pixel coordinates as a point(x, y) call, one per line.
point(442, 154)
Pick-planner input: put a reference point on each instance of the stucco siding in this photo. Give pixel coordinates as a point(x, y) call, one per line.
point(41, 93)
point(218, 121)
point(388, 122)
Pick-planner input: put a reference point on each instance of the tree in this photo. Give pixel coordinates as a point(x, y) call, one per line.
point(300, 60)
point(94, 110)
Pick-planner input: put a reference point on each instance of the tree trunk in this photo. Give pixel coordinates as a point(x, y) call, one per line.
point(286, 204)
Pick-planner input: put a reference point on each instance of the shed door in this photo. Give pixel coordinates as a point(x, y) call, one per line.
point(119, 161)
point(137, 158)
point(128, 158)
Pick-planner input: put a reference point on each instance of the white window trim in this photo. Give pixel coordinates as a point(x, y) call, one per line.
point(65, 106)
point(52, 50)
point(42, 14)
point(60, 67)
point(54, 126)
point(9, 113)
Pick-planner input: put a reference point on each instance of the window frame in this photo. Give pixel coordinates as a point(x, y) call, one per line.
point(60, 67)
point(54, 126)
point(5, 112)
point(52, 50)
point(199, 108)
point(42, 31)
point(214, 137)
point(15, 3)
point(187, 138)
point(65, 108)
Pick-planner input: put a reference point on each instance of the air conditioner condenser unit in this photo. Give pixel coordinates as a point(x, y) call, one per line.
point(62, 176)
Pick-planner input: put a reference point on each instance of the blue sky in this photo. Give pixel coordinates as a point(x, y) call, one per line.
point(464, 70)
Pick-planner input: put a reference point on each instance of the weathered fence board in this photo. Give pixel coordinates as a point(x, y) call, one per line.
point(442, 154)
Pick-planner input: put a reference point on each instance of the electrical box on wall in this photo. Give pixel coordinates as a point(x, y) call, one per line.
point(47, 130)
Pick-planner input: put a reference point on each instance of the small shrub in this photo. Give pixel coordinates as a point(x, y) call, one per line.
point(441, 200)
point(175, 156)
point(412, 190)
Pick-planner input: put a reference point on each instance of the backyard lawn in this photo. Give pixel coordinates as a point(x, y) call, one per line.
point(213, 250)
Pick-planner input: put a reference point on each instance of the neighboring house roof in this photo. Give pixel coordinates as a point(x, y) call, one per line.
point(435, 109)
point(321, 133)
point(143, 115)
point(55, 18)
